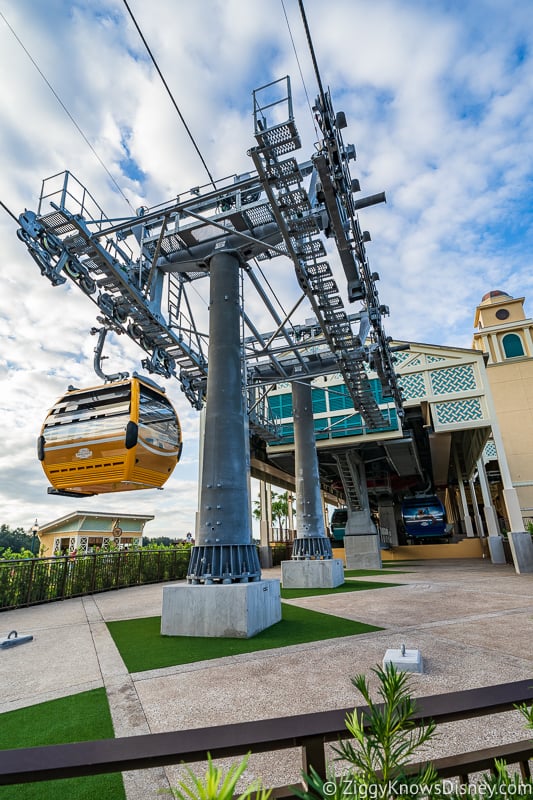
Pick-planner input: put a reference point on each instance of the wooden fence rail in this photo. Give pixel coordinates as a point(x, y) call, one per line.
point(309, 732)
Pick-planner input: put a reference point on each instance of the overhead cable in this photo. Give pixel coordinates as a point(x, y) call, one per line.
point(8, 211)
point(299, 67)
point(65, 109)
point(165, 84)
point(312, 51)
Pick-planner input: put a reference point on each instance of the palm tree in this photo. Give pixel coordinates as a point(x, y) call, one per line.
point(280, 510)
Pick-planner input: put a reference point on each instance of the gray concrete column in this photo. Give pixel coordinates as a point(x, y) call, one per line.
point(311, 540)
point(387, 519)
point(224, 548)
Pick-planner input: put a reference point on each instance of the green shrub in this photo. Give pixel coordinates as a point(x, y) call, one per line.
point(385, 739)
point(215, 785)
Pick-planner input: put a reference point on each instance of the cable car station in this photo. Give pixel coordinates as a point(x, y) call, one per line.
point(321, 402)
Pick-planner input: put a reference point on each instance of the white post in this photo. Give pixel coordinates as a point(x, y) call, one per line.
point(477, 515)
point(488, 508)
point(464, 503)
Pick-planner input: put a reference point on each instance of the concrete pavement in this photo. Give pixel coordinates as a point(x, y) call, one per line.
point(472, 621)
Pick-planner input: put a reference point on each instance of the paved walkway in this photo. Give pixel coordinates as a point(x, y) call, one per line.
point(472, 621)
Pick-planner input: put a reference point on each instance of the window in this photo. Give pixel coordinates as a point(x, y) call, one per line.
point(95, 412)
point(339, 398)
point(280, 406)
point(158, 425)
point(512, 345)
point(319, 401)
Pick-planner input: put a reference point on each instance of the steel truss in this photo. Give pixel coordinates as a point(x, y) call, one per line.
point(139, 271)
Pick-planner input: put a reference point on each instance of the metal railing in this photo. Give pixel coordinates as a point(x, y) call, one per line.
point(26, 582)
point(309, 732)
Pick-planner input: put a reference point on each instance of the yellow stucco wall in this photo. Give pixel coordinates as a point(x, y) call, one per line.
point(467, 548)
point(512, 390)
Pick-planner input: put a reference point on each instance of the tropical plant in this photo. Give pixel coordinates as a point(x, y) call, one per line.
point(385, 739)
point(217, 785)
point(280, 509)
point(500, 784)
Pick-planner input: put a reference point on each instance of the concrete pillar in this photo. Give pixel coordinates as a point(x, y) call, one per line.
point(477, 516)
point(311, 540)
point(488, 509)
point(224, 596)
point(224, 550)
point(465, 515)
point(361, 539)
point(387, 519)
point(312, 564)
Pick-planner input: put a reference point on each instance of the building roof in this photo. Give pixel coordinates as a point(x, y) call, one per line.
point(496, 296)
point(96, 515)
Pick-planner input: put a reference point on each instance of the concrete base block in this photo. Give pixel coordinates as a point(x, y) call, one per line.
point(522, 549)
point(406, 661)
point(237, 610)
point(312, 574)
point(497, 554)
point(362, 551)
point(265, 557)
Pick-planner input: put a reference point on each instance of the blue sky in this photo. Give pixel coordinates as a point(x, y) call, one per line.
point(438, 98)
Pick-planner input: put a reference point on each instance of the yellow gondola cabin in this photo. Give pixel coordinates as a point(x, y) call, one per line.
point(112, 438)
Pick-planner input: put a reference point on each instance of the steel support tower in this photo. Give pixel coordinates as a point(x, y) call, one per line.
point(140, 271)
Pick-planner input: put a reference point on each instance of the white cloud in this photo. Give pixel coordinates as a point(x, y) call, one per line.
point(438, 99)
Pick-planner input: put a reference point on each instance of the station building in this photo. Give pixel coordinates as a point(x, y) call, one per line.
point(466, 432)
point(88, 531)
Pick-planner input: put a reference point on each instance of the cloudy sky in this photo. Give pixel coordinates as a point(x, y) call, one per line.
point(438, 98)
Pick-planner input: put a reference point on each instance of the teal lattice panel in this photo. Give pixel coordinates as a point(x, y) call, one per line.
point(400, 358)
point(453, 379)
point(432, 359)
point(458, 411)
point(413, 386)
point(489, 451)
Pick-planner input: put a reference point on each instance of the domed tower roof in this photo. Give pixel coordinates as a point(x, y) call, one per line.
point(498, 309)
point(495, 296)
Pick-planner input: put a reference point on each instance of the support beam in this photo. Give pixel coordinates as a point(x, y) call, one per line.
point(488, 509)
point(311, 540)
point(225, 596)
point(312, 563)
point(361, 538)
point(465, 514)
point(224, 551)
point(477, 516)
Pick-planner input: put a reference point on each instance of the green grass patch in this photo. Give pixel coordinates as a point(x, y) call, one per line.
point(142, 647)
point(77, 718)
point(351, 586)
point(361, 573)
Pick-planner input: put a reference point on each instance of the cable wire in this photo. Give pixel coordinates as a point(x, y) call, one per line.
point(65, 109)
point(165, 84)
point(300, 68)
point(312, 51)
point(8, 211)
